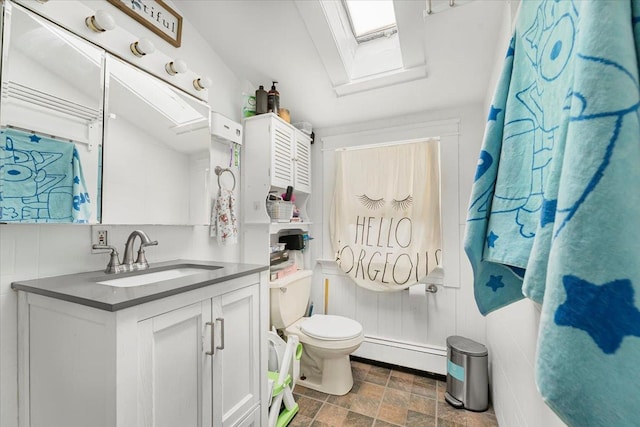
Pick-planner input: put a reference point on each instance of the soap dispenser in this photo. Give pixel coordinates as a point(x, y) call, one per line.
point(273, 99)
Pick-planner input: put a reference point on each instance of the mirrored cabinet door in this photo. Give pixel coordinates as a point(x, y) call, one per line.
point(156, 151)
point(51, 116)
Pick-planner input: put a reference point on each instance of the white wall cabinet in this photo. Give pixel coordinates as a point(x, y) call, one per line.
point(287, 148)
point(192, 359)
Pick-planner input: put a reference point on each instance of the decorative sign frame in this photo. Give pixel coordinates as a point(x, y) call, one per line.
point(156, 16)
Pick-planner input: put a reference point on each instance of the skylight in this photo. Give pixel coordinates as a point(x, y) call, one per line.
point(371, 19)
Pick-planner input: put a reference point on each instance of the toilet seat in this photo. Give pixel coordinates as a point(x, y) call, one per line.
point(331, 328)
point(308, 340)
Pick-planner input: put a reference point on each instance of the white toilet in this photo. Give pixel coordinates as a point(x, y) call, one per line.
point(327, 340)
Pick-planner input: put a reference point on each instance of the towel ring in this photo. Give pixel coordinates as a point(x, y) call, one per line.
point(219, 171)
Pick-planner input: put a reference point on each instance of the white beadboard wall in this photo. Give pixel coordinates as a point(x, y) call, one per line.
point(35, 251)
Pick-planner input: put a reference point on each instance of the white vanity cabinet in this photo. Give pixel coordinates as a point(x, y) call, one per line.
point(204, 350)
point(287, 149)
point(191, 359)
point(175, 373)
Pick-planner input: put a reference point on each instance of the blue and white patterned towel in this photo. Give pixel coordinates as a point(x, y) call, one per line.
point(41, 180)
point(555, 211)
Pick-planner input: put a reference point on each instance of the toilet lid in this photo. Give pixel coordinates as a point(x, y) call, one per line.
point(329, 327)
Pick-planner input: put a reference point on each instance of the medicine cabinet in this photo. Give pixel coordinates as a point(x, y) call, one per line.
point(52, 85)
point(143, 145)
point(156, 151)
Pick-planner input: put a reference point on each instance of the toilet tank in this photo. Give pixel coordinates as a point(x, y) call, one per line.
point(289, 298)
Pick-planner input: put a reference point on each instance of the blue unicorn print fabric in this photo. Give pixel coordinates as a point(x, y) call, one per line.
point(555, 212)
point(41, 180)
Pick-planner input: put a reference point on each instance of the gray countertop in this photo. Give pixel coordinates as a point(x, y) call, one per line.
point(82, 288)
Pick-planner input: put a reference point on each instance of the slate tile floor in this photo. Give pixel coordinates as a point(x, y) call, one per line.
point(385, 397)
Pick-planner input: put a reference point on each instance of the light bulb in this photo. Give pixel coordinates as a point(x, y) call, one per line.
point(100, 22)
point(142, 47)
point(202, 83)
point(176, 66)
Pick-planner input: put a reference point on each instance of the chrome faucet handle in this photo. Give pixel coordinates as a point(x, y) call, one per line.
point(114, 260)
point(141, 261)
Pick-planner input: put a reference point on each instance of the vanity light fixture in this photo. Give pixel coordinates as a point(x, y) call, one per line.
point(142, 47)
point(176, 66)
point(202, 83)
point(100, 22)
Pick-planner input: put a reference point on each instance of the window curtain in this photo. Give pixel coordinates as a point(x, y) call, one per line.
point(385, 215)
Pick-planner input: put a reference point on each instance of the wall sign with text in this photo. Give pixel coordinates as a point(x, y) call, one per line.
point(155, 15)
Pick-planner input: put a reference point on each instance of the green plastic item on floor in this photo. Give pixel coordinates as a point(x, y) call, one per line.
point(286, 416)
point(277, 388)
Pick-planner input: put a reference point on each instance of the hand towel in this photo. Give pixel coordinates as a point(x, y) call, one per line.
point(554, 211)
point(224, 221)
point(41, 180)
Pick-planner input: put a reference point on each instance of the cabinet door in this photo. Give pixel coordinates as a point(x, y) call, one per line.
point(302, 162)
point(281, 154)
point(174, 371)
point(236, 367)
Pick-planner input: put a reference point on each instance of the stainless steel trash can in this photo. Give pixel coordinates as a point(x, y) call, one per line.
point(467, 374)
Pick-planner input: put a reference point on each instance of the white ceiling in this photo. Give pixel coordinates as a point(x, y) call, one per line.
point(268, 40)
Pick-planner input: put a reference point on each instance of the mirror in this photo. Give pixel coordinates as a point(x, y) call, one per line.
point(156, 151)
point(50, 122)
point(143, 160)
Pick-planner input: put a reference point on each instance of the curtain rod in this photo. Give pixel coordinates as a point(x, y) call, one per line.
point(390, 144)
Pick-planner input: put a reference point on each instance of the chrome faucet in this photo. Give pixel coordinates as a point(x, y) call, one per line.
point(141, 262)
point(128, 264)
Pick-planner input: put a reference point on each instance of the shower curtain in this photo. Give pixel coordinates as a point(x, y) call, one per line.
point(385, 215)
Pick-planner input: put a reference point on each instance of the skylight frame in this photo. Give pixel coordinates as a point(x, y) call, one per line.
point(380, 32)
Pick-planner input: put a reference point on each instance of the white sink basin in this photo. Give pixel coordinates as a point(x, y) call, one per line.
point(153, 277)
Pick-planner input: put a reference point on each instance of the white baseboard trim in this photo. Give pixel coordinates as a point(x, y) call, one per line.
point(411, 355)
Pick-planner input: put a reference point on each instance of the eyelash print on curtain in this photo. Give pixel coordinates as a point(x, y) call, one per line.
point(385, 216)
point(554, 213)
point(41, 180)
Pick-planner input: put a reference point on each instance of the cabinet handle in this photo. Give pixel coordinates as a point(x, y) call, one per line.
point(212, 324)
point(221, 346)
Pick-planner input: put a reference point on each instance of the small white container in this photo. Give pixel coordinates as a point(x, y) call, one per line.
point(225, 129)
point(279, 210)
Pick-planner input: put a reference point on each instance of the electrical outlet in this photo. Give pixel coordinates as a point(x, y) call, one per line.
point(102, 237)
point(99, 236)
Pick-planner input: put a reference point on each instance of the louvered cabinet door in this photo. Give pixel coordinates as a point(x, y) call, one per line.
point(281, 155)
point(302, 163)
